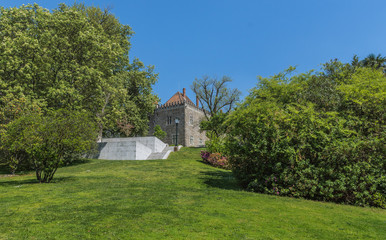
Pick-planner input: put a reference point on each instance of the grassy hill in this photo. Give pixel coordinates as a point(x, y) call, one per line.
point(178, 198)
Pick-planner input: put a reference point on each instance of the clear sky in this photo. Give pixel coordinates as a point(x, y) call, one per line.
point(186, 39)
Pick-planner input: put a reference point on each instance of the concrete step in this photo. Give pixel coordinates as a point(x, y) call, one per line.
point(160, 155)
point(164, 154)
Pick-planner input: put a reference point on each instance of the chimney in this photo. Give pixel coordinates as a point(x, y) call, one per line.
point(184, 92)
point(197, 102)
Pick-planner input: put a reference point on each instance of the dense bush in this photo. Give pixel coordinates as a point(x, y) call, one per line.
point(159, 133)
point(13, 105)
point(45, 142)
point(284, 140)
point(214, 143)
point(215, 159)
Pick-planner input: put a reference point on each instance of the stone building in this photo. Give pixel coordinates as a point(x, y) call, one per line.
point(189, 115)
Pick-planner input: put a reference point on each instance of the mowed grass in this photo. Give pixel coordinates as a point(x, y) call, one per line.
point(178, 198)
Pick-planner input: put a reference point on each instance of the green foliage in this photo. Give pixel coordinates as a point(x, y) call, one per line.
point(364, 96)
point(214, 127)
point(318, 136)
point(371, 61)
point(217, 100)
point(13, 105)
point(159, 133)
point(215, 144)
point(138, 84)
point(48, 141)
point(75, 57)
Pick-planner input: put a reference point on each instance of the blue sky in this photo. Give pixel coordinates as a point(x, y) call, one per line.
point(242, 39)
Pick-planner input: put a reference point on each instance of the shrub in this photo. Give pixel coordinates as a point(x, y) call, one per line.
point(283, 145)
point(214, 143)
point(215, 159)
point(13, 105)
point(159, 133)
point(205, 155)
point(49, 141)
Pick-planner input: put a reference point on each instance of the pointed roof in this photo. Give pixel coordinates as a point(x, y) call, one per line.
point(179, 98)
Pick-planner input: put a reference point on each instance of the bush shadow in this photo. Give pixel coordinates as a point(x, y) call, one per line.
point(220, 179)
point(76, 162)
point(13, 181)
point(18, 182)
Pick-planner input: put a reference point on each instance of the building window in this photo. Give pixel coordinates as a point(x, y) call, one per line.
point(191, 140)
point(169, 121)
point(200, 141)
point(191, 119)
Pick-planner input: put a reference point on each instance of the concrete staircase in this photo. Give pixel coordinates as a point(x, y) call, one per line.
point(161, 155)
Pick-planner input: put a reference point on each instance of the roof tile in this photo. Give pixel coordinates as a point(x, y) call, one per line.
point(178, 98)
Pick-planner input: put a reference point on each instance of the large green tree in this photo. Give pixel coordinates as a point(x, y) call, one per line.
point(75, 57)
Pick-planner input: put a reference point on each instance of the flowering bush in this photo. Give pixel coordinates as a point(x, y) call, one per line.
point(205, 155)
point(215, 159)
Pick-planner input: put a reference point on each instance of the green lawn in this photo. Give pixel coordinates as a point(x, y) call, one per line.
point(178, 198)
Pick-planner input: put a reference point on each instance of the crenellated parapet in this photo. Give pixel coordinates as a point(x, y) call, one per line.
point(177, 104)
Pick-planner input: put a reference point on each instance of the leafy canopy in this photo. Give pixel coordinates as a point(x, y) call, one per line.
point(75, 57)
point(314, 135)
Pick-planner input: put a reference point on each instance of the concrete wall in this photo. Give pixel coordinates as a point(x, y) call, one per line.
point(142, 152)
point(151, 142)
point(138, 148)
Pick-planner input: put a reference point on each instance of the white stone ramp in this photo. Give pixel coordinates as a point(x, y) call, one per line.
point(160, 155)
point(136, 148)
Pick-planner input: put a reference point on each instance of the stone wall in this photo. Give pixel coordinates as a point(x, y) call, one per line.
point(161, 116)
point(188, 131)
point(193, 117)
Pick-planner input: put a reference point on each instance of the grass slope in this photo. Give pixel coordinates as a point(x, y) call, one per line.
point(178, 198)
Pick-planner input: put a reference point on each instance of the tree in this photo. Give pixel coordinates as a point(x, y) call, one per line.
point(159, 133)
point(376, 62)
point(47, 141)
point(75, 57)
point(138, 84)
point(214, 96)
point(217, 101)
point(13, 105)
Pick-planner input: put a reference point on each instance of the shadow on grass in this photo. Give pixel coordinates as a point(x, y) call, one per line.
point(4, 169)
point(220, 179)
point(13, 181)
point(77, 162)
